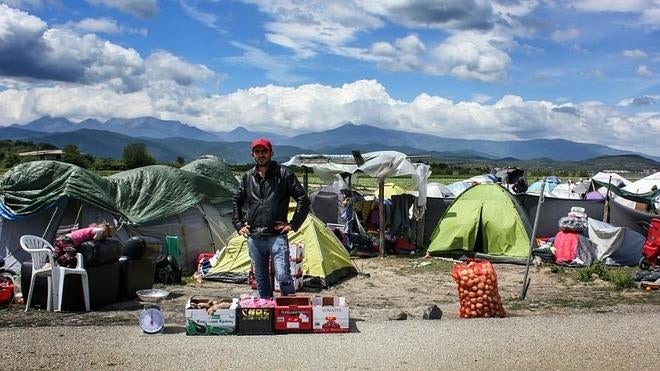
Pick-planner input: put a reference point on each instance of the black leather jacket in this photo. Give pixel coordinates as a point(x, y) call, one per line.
point(267, 200)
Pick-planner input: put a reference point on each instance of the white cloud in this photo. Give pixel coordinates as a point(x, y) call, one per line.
point(309, 27)
point(96, 25)
point(315, 107)
point(102, 25)
point(481, 98)
point(651, 17)
point(644, 100)
point(277, 68)
point(648, 10)
point(207, 19)
point(21, 4)
point(383, 49)
point(611, 5)
point(449, 14)
point(565, 35)
point(405, 55)
point(139, 8)
point(472, 55)
point(644, 71)
point(634, 53)
point(162, 65)
point(31, 50)
point(317, 27)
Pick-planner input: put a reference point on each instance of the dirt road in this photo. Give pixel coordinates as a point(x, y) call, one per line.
point(387, 287)
point(592, 341)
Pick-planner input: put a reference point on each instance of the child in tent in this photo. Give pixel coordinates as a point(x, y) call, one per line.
point(66, 246)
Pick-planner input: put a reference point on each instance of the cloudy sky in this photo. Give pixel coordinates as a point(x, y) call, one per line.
point(583, 70)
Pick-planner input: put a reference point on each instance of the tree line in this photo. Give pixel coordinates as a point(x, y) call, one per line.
point(133, 155)
point(136, 155)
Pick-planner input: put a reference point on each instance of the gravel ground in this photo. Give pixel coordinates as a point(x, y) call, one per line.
point(593, 341)
point(563, 324)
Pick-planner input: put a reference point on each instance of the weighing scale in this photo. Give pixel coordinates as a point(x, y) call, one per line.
point(151, 319)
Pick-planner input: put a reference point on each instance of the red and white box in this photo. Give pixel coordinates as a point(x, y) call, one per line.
point(296, 252)
point(296, 269)
point(330, 314)
point(297, 284)
point(296, 274)
point(293, 314)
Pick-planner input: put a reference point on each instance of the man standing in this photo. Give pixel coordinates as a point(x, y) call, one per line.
point(265, 191)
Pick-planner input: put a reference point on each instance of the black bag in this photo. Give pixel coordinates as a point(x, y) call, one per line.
point(168, 271)
point(360, 244)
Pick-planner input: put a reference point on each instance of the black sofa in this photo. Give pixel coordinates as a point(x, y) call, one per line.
point(114, 273)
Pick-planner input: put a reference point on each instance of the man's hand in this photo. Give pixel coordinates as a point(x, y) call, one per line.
point(283, 227)
point(244, 231)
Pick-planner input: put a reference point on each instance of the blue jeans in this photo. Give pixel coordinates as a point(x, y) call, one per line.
point(261, 248)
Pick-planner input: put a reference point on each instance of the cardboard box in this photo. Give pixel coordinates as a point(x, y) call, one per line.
point(255, 321)
point(293, 314)
point(297, 284)
point(296, 252)
point(200, 322)
point(330, 314)
point(296, 269)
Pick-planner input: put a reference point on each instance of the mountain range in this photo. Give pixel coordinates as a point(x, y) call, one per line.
point(167, 139)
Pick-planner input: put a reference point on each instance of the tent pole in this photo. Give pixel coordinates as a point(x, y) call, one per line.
point(532, 243)
point(381, 216)
point(606, 206)
point(57, 207)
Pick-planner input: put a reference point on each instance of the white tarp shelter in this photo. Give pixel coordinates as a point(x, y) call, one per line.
point(379, 164)
point(641, 186)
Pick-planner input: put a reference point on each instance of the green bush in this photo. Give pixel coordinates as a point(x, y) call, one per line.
point(556, 269)
point(585, 275)
point(621, 279)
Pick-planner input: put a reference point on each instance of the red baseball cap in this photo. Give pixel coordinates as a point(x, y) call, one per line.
point(262, 142)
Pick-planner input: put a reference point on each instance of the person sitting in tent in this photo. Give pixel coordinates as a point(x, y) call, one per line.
point(66, 246)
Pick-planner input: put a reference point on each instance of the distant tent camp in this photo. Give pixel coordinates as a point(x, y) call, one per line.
point(573, 190)
point(41, 196)
point(456, 188)
point(438, 190)
point(644, 185)
point(326, 261)
point(612, 178)
point(550, 183)
point(484, 219)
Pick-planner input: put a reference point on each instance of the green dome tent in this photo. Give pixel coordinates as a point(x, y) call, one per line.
point(484, 219)
point(325, 263)
point(39, 197)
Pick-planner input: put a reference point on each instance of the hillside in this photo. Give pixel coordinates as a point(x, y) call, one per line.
point(167, 140)
point(342, 139)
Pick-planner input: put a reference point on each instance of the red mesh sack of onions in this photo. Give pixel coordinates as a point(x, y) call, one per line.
point(477, 289)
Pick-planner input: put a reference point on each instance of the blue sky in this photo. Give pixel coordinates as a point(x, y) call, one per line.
point(583, 70)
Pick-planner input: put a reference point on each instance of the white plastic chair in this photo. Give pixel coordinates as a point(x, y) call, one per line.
point(42, 253)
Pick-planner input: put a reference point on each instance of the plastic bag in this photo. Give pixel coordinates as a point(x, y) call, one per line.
point(477, 289)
